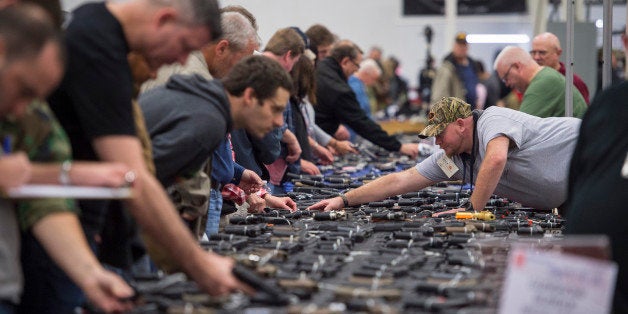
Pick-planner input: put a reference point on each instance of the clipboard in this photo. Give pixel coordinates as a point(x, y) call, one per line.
point(31, 191)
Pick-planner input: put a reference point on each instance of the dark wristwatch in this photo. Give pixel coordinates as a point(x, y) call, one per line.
point(468, 206)
point(345, 201)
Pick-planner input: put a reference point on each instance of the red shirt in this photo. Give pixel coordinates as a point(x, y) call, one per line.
point(578, 83)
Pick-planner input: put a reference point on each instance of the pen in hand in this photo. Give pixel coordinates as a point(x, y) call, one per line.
point(16, 168)
point(6, 145)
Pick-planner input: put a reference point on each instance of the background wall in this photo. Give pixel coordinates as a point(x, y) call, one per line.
point(380, 22)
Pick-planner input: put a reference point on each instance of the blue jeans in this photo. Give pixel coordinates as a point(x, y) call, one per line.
point(144, 265)
point(213, 212)
point(47, 289)
point(276, 189)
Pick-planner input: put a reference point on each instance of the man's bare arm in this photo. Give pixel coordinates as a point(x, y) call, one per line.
point(386, 186)
point(294, 149)
point(157, 216)
point(81, 173)
point(490, 171)
point(62, 237)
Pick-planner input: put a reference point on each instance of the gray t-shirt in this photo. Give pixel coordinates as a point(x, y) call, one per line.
point(537, 168)
point(10, 271)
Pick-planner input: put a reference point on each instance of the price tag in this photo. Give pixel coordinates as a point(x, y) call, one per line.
point(550, 282)
point(447, 165)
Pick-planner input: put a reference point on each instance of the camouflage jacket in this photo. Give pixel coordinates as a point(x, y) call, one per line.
point(40, 136)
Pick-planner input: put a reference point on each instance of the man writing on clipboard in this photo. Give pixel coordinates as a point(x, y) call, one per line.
point(30, 66)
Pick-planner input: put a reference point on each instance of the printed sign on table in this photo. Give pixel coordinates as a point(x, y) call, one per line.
point(550, 282)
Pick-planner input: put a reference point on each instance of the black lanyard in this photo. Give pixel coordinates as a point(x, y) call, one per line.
point(471, 157)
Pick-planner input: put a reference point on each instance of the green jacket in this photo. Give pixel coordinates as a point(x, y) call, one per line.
point(545, 96)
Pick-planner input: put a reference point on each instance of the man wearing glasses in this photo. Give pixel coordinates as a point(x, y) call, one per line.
point(337, 102)
point(543, 88)
point(546, 51)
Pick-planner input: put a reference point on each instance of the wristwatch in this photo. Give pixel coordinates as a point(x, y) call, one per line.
point(64, 173)
point(345, 201)
point(467, 205)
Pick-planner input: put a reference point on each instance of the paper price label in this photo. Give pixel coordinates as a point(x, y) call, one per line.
point(549, 282)
point(447, 165)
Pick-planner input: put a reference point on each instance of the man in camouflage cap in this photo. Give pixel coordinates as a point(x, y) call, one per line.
point(447, 110)
point(501, 151)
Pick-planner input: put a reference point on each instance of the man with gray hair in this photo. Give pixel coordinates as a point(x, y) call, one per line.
point(239, 39)
point(543, 88)
point(546, 51)
point(215, 60)
point(94, 106)
point(365, 77)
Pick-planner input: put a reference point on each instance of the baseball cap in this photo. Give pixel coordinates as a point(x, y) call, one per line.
point(445, 111)
point(461, 38)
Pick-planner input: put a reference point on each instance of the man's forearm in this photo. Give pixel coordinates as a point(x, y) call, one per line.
point(393, 184)
point(490, 171)
point(62, 237)
point(321, 136)
point(46, 173)
point(289, 138)
point(312, 142)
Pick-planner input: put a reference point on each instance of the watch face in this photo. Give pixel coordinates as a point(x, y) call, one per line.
point(467, 205)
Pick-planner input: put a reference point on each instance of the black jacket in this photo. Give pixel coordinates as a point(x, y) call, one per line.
point(337, 104)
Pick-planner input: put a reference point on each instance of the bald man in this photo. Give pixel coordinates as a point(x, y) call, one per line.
point(543, 88)
point(546, 51)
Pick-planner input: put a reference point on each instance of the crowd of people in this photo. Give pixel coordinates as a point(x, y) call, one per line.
point(178, 100)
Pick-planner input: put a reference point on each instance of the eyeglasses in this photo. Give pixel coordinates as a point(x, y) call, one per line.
point(357, 65)
point(505, 78)
point(541, 53)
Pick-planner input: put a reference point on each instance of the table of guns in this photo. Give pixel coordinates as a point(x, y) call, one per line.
point(390, 256)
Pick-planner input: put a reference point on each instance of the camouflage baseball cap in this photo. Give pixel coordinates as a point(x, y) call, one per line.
point(445, 111)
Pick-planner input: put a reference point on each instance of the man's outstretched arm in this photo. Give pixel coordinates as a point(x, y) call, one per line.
point(386, 186)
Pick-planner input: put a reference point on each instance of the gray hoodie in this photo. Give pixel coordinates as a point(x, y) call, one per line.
point(186, 119)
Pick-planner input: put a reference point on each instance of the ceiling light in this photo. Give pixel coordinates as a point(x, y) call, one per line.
point(498, 38)
point(599, 23)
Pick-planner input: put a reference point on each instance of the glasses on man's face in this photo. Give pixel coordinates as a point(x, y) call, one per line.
point(541, 53)
point(505, 78)
point(357, 65)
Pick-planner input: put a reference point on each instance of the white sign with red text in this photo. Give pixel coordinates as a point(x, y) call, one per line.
point(551, 282)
